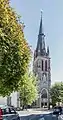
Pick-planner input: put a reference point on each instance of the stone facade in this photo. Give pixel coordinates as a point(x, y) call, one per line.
point(41, 68)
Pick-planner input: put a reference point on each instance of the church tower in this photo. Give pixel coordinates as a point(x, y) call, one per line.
point(41, 68)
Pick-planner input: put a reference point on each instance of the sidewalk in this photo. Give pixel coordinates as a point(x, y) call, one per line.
point(39, 109)
point(34, 111)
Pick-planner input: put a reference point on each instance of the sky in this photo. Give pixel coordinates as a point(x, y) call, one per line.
point(30, 12)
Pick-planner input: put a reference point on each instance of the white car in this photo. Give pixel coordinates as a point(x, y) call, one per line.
point(60, 117)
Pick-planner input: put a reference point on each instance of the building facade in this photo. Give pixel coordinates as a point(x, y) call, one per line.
point(13, 100)
point(41, 68)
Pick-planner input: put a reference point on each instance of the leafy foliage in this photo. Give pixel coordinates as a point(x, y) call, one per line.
point(61, 91)
point(14, 50)
point(28, 90)
point(57, 93)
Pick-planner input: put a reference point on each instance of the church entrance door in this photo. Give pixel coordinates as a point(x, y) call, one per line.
point(44, 98)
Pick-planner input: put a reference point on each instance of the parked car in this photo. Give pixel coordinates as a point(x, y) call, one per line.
point(57, 110)
point(60, 117)
point(8, 113)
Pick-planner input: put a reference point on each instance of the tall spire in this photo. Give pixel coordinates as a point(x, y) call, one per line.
point(40, 29)
point(41, 41)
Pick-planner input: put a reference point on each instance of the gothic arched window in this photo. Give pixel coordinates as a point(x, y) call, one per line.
point(44, 94)
point(49, 64)
point(46, 65)
point(42, 65)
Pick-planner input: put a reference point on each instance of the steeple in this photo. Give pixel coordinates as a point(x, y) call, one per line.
point(40, 29)
point(41, 41)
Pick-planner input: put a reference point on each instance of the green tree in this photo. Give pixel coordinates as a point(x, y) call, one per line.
point(14, 50)
point(28, 90)
point(61, 91)
point(57, 93)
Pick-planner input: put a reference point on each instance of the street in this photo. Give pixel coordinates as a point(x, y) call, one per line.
point(37, 115)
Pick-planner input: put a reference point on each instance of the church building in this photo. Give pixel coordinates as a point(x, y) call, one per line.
point(41, 68)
